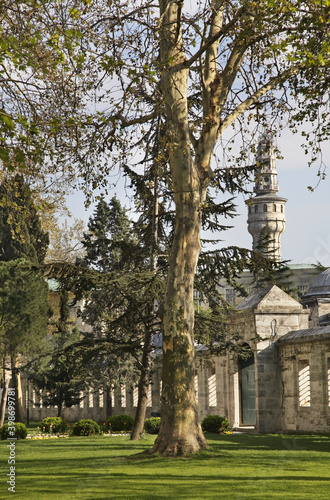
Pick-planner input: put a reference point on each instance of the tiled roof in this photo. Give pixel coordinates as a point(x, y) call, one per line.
point(254, 298)
point(309, 334)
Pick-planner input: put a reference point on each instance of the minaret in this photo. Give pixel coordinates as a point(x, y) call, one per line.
point(266, 219)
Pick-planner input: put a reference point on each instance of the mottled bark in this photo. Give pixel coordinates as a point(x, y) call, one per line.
point(180, 431)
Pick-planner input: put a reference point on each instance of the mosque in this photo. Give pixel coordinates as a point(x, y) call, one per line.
point(285, 384)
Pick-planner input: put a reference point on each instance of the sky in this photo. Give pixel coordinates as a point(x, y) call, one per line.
point(306, 239)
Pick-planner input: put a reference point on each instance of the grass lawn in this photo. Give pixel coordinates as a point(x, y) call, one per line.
point(234, 467)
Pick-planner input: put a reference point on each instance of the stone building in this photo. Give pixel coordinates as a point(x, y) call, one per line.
point(285, 385)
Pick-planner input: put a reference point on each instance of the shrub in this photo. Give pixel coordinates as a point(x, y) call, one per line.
point(53, 424)
point(85, 428)
point(20, 431)
point(119, 423)
point(215, 423)
point(151, 425)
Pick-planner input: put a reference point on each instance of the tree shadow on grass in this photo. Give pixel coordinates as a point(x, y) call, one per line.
point(167, 483)
point(297, 442)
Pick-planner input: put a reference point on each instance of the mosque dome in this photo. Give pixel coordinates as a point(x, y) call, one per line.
point(319, 288)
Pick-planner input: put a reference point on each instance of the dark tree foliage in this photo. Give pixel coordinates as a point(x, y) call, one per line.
point(24, 311)
point(119, 293)
point(107, 238)
point(60, 374)
point(21, 235)
point(24, 307)
point(24, 292)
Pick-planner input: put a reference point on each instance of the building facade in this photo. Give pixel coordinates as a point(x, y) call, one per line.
point(283, 386)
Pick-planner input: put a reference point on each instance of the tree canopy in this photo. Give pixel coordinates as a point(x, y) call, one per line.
point(81, 79)
point(59, 373)
point(24, 307)
point(24, 312)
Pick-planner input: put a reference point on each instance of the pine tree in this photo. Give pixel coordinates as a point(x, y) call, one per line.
point(21, 234)
point(101, 279)
point(23, 316)
point(119, 290)
point(108, 237)
point(60, 375)
point(24, 305)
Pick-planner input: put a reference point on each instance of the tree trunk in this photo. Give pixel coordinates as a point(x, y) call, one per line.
point(5, 383)
point(3, 402)
point(144, 381)
point(59, 398)
point(180, 430)
point(143, 387)
point(16, 377)
point(108, 402)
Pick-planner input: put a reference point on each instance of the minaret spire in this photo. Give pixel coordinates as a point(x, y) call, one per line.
point(266, 218)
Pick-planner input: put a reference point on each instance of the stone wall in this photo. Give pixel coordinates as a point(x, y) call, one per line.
point(93, 404)
point(305, 380)
point(215, 390)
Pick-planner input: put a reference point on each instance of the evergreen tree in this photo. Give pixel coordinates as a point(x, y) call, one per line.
point(60, 375)
point(23, 316)
point(119, 291)
point(99, 279)
point(108, 238)
point(24, 292)
point(21, 234)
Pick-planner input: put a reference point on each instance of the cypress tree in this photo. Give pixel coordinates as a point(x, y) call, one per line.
point(21, 234)
point(24, 305)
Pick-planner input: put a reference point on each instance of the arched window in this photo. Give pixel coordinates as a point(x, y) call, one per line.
point(265, 208)
point(282, 208)
point(256, 210)
point(274, 207)
point(250, 209)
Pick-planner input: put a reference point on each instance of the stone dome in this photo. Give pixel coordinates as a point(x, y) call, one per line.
point(320, 287)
